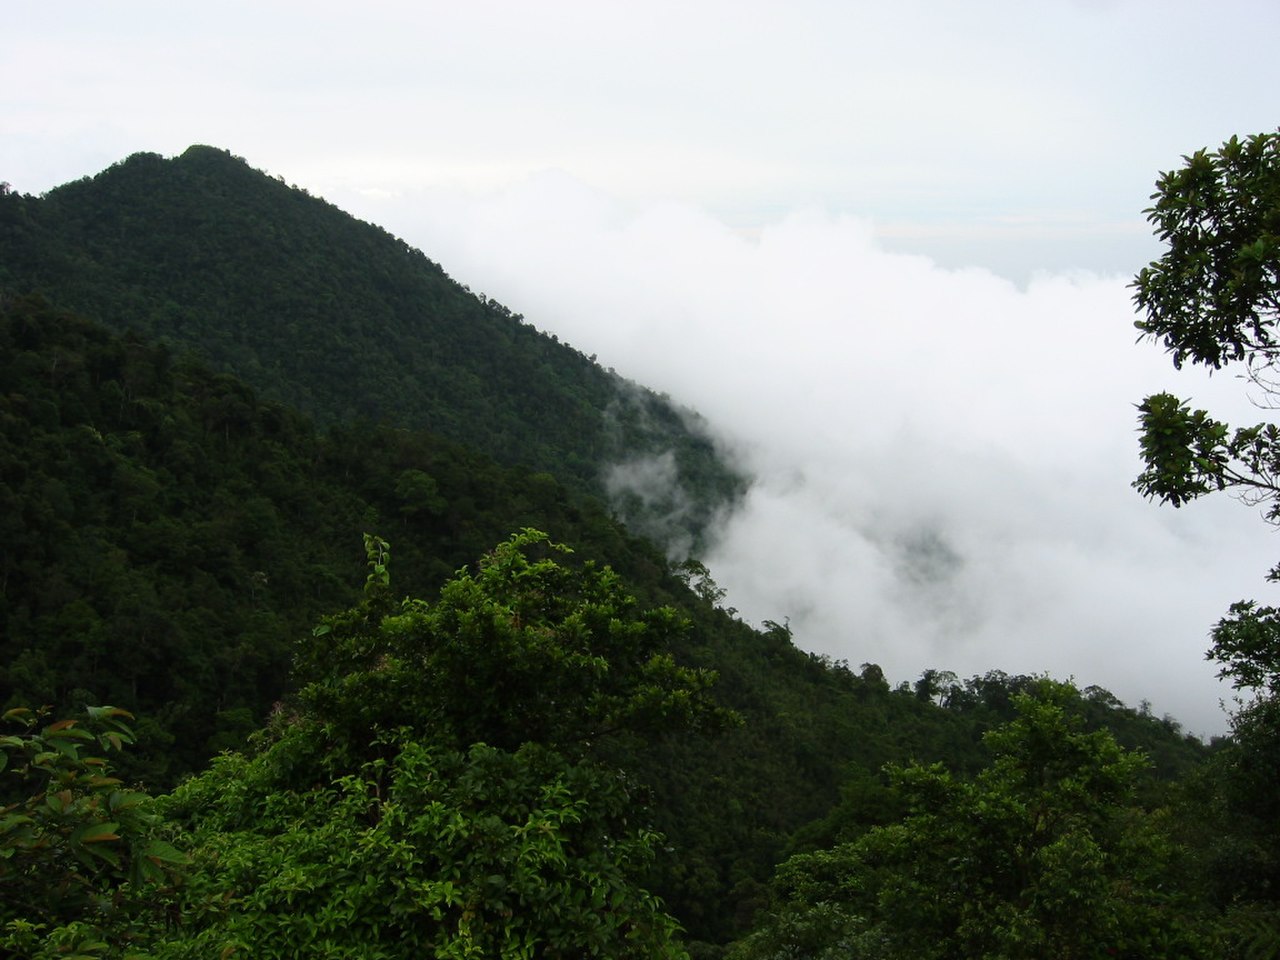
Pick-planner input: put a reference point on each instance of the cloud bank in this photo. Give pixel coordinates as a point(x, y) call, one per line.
point(942, 458)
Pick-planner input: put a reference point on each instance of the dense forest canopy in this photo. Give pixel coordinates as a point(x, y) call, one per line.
point(287, 682)
point(344, 322)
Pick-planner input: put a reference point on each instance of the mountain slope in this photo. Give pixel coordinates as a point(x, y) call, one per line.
point(338, 318)
point(168, 534)
point(169, 537)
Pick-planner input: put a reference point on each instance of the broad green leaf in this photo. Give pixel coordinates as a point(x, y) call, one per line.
point(158, 851)
point(96, 833)
point(108, 713)
point(68, 732)
point(66, 748)
point(124, 799)
point(12, 821)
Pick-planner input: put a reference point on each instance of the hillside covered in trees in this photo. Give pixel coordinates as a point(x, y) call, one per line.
point(311, 682)
point(345, 323)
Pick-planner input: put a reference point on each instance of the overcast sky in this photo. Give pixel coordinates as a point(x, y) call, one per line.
point(882, 247)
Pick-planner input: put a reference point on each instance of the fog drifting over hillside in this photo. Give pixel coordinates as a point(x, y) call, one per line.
point(942, 459)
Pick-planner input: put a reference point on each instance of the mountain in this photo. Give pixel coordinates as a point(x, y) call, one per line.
point(170, 533)
point(341, 320)
point(169, 538)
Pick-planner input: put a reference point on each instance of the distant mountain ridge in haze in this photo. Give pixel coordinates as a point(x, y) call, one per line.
point(340, 319)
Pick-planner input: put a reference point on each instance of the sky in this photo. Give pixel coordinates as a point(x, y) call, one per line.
point(882, 248)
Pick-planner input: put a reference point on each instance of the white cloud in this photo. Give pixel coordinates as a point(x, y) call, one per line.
point(943, 458)
point(914, 113)
point(882, 400)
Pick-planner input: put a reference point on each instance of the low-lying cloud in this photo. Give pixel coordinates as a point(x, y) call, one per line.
point(942, 458)
point(646, 493)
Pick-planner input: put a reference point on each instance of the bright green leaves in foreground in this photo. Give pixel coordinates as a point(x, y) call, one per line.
point(1187, 454)
point(527, 649)
point(424, 853)
point(1184, 451)
point(432, 792)
point(82, 859)
point(1042, 854)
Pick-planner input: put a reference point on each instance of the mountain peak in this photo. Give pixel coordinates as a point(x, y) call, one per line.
point(335, 316)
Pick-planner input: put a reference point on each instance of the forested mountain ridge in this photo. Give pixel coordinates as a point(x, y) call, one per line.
point(167, 534)
point(516, 757)
point(170, 538)
point(343, 321)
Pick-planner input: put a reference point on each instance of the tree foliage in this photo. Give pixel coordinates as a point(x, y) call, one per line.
point(527, 648)
point(171, 537)
point(1213, 298)
point(424, 851)
point(1042, 854)
point(85, 869)
point(429, 792)
point(168, 533)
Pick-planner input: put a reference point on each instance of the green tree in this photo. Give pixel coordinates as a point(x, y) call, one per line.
point(84, 867)
point(1213, 299)
point(425, 851)
point(528, 648)
point(434, 789)
point(1042, 854)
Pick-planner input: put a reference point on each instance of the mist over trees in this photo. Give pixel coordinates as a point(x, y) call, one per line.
point(291, 670)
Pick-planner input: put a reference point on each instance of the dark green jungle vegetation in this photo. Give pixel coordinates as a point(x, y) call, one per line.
point(345, 323)
point(291, 671)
